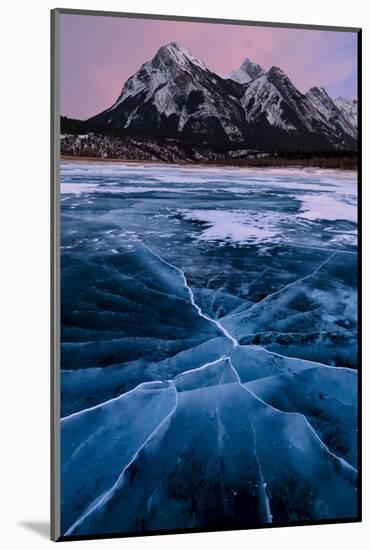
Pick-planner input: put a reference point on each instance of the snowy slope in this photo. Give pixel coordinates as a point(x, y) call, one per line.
point(330, 110)
point(349, 108)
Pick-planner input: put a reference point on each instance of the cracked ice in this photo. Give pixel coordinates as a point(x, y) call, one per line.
point(209, 367)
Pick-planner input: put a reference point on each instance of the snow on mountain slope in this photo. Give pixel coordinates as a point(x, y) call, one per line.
point(247, 72)
point(273, 99)
point(274, 95)
point(349, 108)
point(176, 93)
point(331, 111)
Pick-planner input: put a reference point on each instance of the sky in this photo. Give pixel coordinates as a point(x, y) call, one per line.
point(98, 54)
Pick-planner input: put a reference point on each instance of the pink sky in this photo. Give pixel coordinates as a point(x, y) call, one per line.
point(99, 53)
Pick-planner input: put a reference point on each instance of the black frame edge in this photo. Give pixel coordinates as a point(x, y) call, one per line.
point(359, 268)
point(54, 280)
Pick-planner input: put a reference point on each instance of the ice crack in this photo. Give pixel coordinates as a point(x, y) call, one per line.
point(289, 285)
point(343, 462)
point(106, 495)
point(220, 327)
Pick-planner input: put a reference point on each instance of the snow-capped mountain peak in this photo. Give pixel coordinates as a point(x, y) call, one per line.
point(247, 72)
point(175, 95)
point(175, 53)
point(169, 61)
point(349, 108)
point(263, 100)
point(277, 76)
point(336, 114)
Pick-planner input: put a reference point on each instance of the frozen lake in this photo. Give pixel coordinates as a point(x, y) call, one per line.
point(219, 303)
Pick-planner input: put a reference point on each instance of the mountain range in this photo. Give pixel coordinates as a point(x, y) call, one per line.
point(176, 95)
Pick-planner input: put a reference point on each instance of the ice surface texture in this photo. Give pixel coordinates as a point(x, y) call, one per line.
point(209, 361)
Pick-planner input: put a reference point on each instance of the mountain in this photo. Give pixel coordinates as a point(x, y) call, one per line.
point(277, 111)
point(334, 115)
point(247, 72)
point(349, 108)
point(175, 93)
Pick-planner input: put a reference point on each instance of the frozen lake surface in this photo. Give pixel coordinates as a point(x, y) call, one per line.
point(209, 346)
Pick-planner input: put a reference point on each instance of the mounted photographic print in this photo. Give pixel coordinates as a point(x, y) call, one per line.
point(205, 287)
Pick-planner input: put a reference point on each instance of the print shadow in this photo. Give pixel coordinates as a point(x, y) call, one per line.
point(41, 528)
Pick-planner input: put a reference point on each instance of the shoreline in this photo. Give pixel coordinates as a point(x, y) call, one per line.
point(264, 163)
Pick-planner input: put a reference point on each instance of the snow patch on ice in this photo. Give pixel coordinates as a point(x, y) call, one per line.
point(235, 225)
point(326, 207)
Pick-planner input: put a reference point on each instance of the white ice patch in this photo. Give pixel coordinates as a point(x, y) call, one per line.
point(345, 238)
point(78, 188)
point(235, 225)
point(326, 207)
